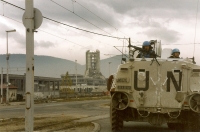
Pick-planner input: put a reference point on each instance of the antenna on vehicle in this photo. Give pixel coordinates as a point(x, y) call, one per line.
point(123, 59)
point(195, 31)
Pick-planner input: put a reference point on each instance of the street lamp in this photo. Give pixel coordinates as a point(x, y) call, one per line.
point(76, 73)
point(109, 68)
point(7, 58)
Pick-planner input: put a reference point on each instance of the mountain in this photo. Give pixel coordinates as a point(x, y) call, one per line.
point(48, 66)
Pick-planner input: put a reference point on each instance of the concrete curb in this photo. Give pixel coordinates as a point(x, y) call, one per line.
point(96, 127)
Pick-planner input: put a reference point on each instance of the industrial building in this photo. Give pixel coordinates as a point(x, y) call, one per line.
point(45, 85)
point(92, 80)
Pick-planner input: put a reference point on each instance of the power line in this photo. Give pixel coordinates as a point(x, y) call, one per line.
point(12, 4)
point(52, 34)
point(62, 38)
point(99, 17)
point(46, 32)
point(95, 15)
point(196, 26)
point(183, 44)
point(81, 28)
point(68, 24)
point(79, 16)
point(10, 18)
point(92, 13)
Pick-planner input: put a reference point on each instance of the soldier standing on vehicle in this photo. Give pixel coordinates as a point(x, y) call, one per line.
point(175, 53)
point(147, 51)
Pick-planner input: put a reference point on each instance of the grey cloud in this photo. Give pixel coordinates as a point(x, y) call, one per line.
point(146, 22)
point(112, 11)
point(181, 9)
point(44, 44)
point(58, 13)
point(150, 5)
point(90, 47)
point(20, 38)
point(163, 33)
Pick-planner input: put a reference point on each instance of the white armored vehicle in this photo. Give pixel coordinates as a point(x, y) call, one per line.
point(156, 90)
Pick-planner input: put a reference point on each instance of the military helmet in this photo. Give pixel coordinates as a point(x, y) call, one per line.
point(175, 51)
point(146, 43)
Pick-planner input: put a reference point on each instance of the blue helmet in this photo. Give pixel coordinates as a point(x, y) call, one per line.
point(175, 50)
point(146, 43)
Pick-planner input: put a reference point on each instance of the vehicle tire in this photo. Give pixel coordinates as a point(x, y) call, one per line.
point(116, 119)
point(172, 126)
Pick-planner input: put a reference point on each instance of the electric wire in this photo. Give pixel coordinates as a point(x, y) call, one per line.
point(195, 26)
point(101, 18)
point(12, 4)
point(106, 44)
point(53, 35)
point(79, 16)
point(73, 4)
point(91, 31)
point(82, 29)
point(10, 18)
point(49, 33)
point(3, 8)
point(95, 14)
point(69, 25)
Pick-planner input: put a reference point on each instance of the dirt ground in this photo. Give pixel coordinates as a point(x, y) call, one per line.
point(47, 124)
point(70, 99)
point(64, 123)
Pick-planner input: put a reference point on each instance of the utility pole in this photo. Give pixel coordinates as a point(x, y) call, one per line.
point(7, 58)
point(32, 19)
point(29, 20)
point(76, 74)
point(109, 68)
point(2, 85)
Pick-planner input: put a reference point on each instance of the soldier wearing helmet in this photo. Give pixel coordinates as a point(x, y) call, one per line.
point(175, 53)
point(147, 50)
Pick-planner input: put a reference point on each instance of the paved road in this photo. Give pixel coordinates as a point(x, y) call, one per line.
point(78, 108)
point(94, 110)
point(133, 127)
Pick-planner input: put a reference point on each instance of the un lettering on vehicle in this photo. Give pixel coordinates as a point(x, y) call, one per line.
point(170, 79)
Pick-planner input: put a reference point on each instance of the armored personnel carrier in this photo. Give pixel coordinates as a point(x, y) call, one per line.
point(157, 90)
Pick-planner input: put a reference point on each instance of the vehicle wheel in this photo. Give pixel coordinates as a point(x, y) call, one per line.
point(172, 126)
point(116, 119)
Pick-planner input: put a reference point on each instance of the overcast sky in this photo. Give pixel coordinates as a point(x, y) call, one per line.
point(171, 21)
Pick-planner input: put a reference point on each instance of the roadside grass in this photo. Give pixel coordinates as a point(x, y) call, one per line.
point(47, 124)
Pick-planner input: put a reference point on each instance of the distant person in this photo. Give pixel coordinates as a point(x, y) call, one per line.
point(147, 50)
point(109, 82)
point(175, 53)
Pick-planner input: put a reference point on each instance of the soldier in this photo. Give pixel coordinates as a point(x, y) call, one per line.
point(147, 51)
point(175, 53)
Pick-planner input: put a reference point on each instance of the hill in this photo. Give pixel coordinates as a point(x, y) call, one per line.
point(48, 66)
